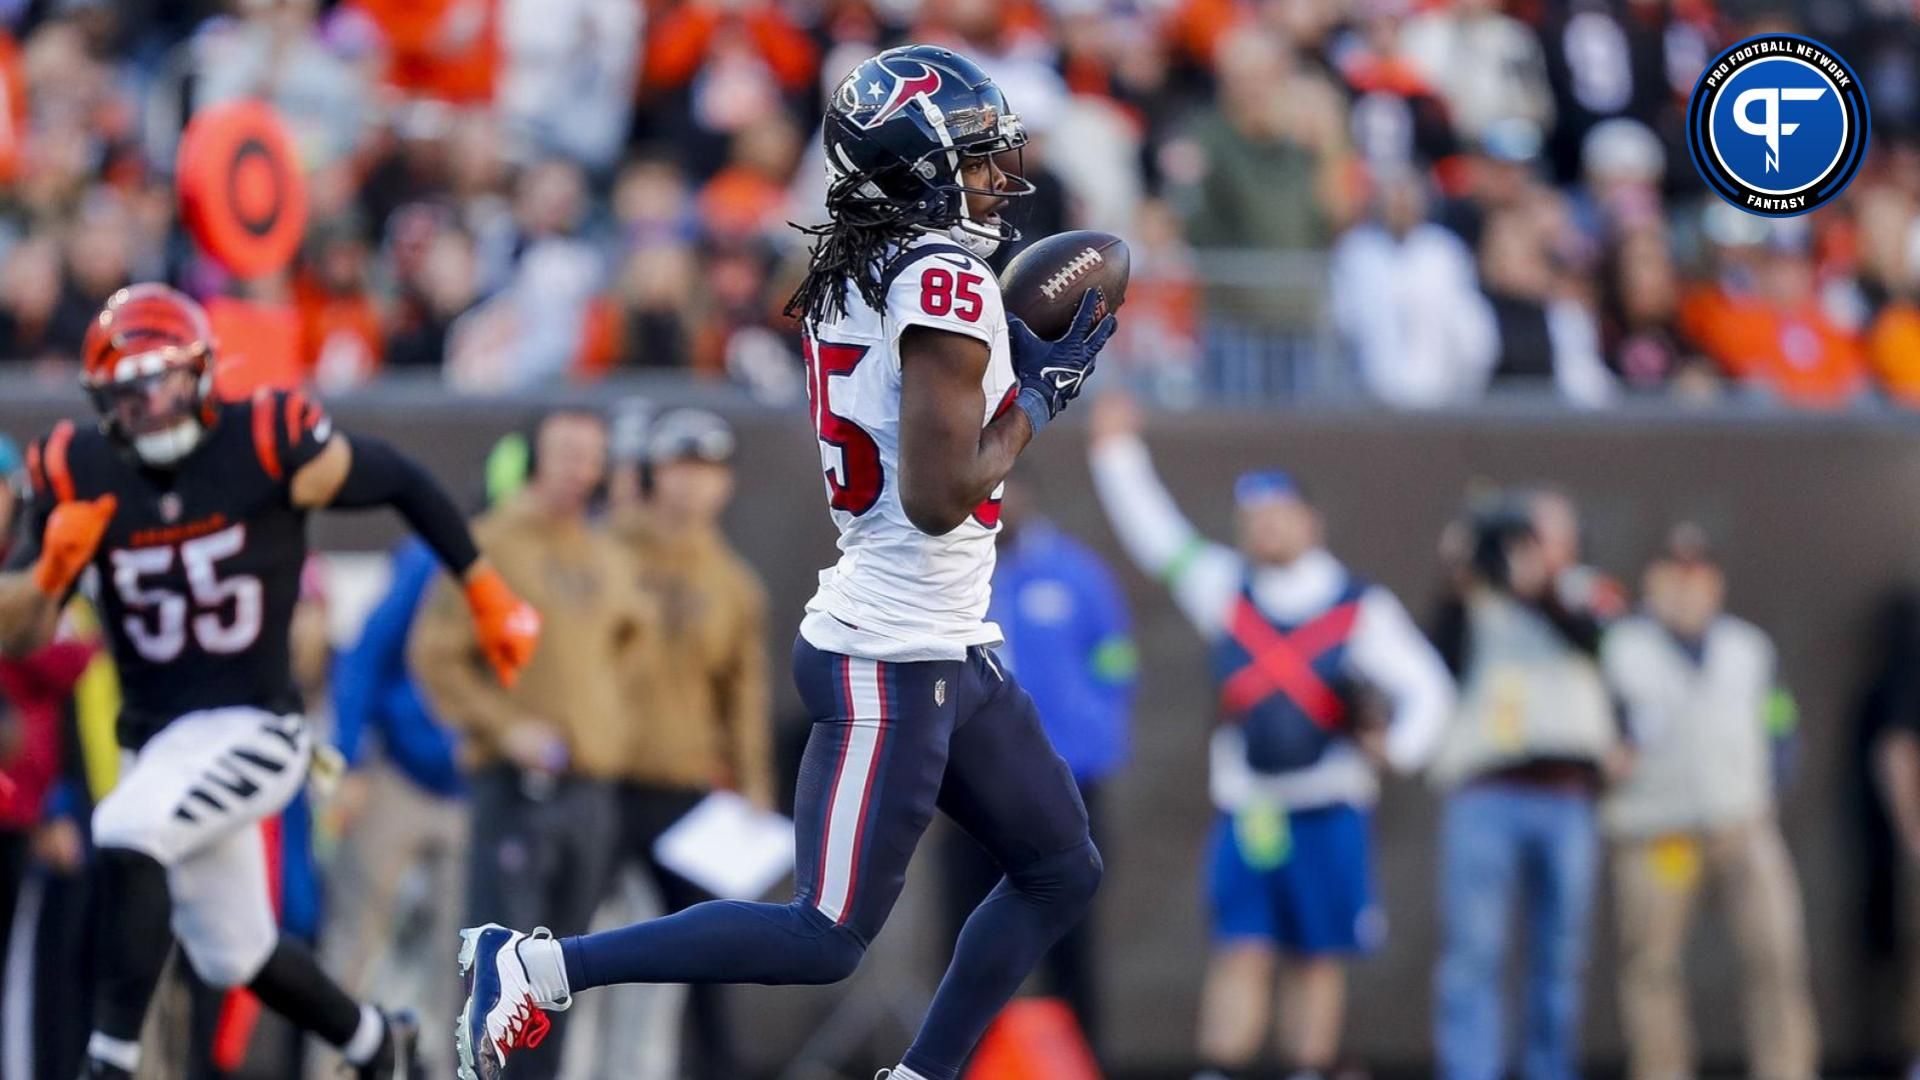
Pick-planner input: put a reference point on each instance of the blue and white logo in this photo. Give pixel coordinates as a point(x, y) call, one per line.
point(1777, 125)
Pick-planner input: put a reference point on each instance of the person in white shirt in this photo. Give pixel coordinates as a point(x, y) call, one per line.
point(1701, 696)
point(1304, 652)
point(1406, 302)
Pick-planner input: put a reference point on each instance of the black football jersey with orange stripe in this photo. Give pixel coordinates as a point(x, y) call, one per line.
point(200, 569)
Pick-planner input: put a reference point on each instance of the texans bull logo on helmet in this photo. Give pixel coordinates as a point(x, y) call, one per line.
point(870, 103)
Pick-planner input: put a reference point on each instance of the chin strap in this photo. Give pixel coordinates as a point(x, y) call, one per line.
point(978, 243)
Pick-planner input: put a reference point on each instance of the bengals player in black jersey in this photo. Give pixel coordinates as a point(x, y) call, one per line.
point(193, 512)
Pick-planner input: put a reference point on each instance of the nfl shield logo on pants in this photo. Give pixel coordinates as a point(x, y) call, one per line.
point(939, 692)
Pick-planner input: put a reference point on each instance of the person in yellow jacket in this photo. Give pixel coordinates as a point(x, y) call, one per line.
point(706, 726)
point(543, 758)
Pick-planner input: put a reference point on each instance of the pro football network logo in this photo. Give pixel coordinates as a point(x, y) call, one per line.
point(1777, 125)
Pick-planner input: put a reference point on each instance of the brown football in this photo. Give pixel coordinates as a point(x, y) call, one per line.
point(1043, 285)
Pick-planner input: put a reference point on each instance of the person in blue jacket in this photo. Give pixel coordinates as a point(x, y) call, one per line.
point(399, 811)
point(1069, 636)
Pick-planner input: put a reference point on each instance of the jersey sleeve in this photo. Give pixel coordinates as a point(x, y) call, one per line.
point(946, 288)
point(289, 430)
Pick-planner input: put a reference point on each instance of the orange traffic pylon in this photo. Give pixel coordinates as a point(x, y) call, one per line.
point(1034, 1039)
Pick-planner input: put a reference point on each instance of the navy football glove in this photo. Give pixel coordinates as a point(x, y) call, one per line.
point(1052, 372)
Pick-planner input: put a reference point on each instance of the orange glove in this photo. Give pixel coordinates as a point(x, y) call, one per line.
point(507, 626)
point(73, 534)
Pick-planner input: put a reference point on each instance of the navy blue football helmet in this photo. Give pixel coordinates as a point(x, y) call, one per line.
point(897, 128)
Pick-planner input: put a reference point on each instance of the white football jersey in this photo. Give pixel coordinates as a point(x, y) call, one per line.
point(897, 593)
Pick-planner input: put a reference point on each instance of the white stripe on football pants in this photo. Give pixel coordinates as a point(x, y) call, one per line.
point(852, 786)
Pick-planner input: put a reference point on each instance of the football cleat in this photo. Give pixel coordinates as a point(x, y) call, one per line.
point(502, 1014)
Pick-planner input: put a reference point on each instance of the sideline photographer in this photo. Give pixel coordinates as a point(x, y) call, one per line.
point(1523, 762)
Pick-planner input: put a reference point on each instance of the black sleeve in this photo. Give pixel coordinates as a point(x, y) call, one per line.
point(383, 476)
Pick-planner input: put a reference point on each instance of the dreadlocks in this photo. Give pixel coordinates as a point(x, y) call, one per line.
point(851, 248)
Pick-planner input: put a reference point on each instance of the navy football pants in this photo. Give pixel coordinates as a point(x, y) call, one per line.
point(890, 743)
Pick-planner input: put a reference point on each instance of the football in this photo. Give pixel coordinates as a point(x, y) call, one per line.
point(1043, 285)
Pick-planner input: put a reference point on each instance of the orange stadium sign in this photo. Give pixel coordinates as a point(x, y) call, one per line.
point(243, 195)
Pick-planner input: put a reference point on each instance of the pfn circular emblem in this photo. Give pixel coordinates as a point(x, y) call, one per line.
point(1777, 125)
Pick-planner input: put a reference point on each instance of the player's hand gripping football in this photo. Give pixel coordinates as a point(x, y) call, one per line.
point(73, 535)
point(507, 626)
point(1056, 370)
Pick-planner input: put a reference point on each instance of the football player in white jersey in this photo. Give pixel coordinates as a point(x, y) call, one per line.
point(923, 392)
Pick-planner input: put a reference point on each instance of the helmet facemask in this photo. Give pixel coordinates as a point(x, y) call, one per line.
point(929, 194)
point(154, 402)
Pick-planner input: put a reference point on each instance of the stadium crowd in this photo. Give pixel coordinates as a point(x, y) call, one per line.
point(1413, 200)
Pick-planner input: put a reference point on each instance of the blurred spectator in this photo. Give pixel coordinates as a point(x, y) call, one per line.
point(748, 198)
point(445, 50)
point(567, 83)
point(29, 294)
point(1889, 284)
point(273, 51)
point(1521, 765)
point(97, 254)
point(701, 715)
point(1264, 172)
point(542, 758)
point(13, 116)
point(549, 208)
point(1701, 694)
point(1406, 303)
point(1622, 167)
point(1159, 342)
point(1500, 172)
point(1545, 337)
point(34, 690)
point(708, 70)
point(1398, 119)
point(82, 122)
point(1892, 717)
point(1011, 40)
point(1762, 321)
point(1265, 167)
point(1303, 653)
point(736, 336)
point(1639, 319)
point(340, 321)
point(1486, 64)
point(1068, 638)
point(1608, 58)
point(539, 286)
point(656, 292)
point(445, 287)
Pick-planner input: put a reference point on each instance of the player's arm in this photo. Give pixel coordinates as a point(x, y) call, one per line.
point(949, 464)
point(366, 473)
point(1203, 576)
point(1390, 652)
